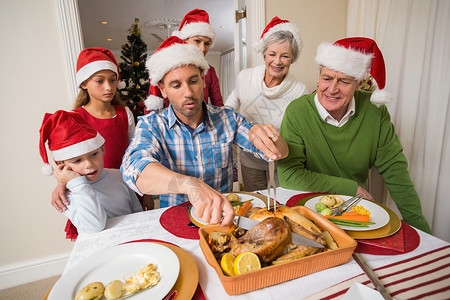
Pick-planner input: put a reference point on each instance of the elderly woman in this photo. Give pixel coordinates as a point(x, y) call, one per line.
point(262, 93)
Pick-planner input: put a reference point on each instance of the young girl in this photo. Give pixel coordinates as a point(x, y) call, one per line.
point(98, 102)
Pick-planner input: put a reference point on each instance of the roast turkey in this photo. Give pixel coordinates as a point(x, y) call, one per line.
point(269, 239)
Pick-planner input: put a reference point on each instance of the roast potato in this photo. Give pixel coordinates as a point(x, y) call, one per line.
point(92, 291)
point(114, 290)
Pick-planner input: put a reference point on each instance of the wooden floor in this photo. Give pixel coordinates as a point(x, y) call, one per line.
point(36, 290)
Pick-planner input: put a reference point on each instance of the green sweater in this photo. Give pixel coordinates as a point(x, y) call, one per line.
point(326, 158)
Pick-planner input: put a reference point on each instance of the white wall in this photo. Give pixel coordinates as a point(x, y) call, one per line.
point(33, 81)
point(213, 58)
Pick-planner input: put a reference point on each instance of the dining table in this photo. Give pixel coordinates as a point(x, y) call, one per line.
point(331, 283)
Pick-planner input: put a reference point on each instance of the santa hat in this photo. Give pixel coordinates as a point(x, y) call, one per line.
point(171, 54)
point(276, 24)
point(196, 22)
point(68, 135)
point(154, 101)
point(92, 60)
point(358, 57)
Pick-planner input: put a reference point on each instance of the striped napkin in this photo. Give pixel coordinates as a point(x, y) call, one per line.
point(425, 276)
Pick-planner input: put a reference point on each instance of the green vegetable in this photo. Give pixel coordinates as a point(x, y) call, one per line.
point(238, 203)
point(350, 223)
point(320, 206)
point(326, 211)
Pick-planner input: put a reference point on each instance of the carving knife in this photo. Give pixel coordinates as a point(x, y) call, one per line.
point(372, 276)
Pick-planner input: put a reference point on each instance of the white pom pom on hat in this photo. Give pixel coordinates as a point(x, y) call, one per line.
point(68, 135)
point(358, 57)
point(47, 169)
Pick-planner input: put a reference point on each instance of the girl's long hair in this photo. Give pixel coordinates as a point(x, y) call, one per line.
point(83, 99)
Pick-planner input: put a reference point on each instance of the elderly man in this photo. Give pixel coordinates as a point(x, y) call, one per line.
point(338, 133)
point(184, 152)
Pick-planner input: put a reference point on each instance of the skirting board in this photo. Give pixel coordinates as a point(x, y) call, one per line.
point(17, 274)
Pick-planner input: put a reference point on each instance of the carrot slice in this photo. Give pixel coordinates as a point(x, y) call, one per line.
point(358, 218)
point(350, 213)
point(245, 206)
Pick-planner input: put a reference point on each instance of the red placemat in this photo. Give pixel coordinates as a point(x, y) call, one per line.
point(403, 241)
point(198, 295)
point(293, 201)
point(175, 220)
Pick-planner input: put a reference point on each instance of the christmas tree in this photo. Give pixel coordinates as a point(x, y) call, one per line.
point(133, 71)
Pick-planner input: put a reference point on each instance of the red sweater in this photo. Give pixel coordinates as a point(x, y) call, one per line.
point(115, 133)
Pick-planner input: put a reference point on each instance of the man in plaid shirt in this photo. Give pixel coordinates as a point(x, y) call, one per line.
point(184, 152)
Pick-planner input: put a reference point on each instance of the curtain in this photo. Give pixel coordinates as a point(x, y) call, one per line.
point(227, 77)
point(414, 37)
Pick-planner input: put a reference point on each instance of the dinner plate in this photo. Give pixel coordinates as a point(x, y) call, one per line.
point(258, 201)
point(378, 215)
point(115, 263)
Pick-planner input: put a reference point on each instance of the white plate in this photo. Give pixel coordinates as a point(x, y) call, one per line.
point(361, 291)
point(377, 214)
point(256, 202)
point(115, 263)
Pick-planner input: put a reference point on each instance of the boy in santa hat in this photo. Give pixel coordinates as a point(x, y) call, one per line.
point(338, 133)
point(184, 152)
point(194, 29)
point(95, 194)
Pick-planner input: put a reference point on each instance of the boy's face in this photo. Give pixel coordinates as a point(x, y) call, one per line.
point(89, 165)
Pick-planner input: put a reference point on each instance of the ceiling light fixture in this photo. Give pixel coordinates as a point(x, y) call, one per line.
point(168, 25)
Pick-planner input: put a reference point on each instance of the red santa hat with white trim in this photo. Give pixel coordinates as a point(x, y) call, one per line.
point(171, 54)
point(277, 24)
point(196, 22)
point(92, 60)
point(68, 135)
point(358, 57)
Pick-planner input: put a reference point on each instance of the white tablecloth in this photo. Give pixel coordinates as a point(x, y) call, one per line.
point(145, 225)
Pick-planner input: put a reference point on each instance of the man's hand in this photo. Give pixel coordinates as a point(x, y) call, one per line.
point(363, 192)
point(268, 140)
point(209, 203)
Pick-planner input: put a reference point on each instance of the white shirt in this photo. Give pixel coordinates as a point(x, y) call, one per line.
point(325, 115)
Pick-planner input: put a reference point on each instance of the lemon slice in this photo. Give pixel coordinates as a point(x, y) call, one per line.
point(227, 264)
point(246, 262)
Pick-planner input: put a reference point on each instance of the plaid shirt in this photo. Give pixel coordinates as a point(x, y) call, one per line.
point(204, 153)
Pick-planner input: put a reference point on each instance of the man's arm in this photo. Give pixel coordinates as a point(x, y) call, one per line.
point(155, 179)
